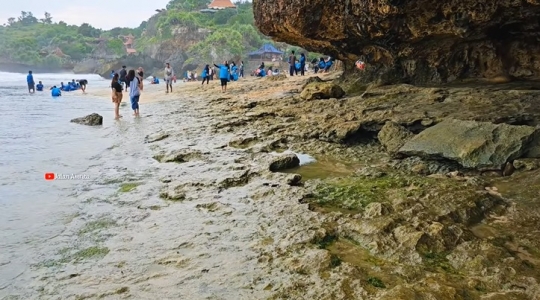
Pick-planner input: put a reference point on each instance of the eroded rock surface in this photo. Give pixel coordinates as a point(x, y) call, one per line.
point(414, 41)
point(322, 90)
point(393, 136)
point(472, 144)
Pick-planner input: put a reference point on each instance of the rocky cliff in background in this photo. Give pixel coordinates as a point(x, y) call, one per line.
point(153, 56)
point(422, 41)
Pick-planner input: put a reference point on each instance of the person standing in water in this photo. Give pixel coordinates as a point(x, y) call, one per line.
point(169, 73)
point(140, 73)
point(135, 91)
point(206, 74)
point(116, 95)
point(224, 75)
point(83, 83)
point(122, 78)
point(31, 83)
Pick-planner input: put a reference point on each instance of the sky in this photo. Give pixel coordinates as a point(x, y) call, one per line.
point(104, 14)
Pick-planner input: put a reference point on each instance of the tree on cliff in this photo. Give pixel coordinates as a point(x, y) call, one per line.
point(188, 5)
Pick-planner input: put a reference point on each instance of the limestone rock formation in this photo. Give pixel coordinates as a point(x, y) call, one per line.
point(472, 144)
point(90, 120)
point(322, 90)
point(393, 136)
point(413, 41)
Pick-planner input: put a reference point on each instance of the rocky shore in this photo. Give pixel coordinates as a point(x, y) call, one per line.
point(419, 192)
point(416, 193)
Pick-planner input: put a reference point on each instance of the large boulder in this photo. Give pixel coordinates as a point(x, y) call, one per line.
point(393, 136)
point(90, 120)
point(322, 90)
point(480, 145)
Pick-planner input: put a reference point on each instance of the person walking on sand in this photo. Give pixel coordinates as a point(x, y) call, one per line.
point(117, 95)
point(31, 83)
point(169, 73)
point(206, 75)
point(134, 91)
point(224, 75)
point(292, 64)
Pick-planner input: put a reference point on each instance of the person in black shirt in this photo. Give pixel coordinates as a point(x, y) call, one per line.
point(116, 95)
point(83, 83)
point(122, 78)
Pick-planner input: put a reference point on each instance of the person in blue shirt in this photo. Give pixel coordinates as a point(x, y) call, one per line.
point(39, 87)
point(328, 64)
point(223, 75)
point(112, 74)
point(55, 92)
point(234, 72)
point(322, 64)
point(206, 75)
point(302, 63)
point(30, 82)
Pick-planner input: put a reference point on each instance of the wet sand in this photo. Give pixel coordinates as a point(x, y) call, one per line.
point(215, 241)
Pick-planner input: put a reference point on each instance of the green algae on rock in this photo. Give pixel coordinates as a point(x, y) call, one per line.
point(128, 187)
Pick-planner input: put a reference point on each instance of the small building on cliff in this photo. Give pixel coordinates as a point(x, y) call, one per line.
point(221, 4)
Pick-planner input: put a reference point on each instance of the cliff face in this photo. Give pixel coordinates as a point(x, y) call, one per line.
point(174, 50)
point(420, 41)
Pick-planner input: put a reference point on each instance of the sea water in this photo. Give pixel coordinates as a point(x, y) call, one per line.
point(36, 137)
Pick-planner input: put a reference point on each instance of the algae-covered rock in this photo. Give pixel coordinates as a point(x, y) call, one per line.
point(283, 162)
point(527, 164)
point(322, 90)
point(472, 144)
point(90, 120)
point(393, 136)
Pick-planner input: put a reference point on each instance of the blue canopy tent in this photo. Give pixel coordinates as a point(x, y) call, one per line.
point(266, 51)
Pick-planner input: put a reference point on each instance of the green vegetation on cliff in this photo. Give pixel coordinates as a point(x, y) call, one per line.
point(40, 42)
point(186, 34)
point(223, 34)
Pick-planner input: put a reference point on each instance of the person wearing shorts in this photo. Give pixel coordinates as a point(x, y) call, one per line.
point(224, 75)
point(116, 95)
point(134, 91)
point(169, 74)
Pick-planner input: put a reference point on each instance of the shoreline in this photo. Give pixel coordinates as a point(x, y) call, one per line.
point(198, 208)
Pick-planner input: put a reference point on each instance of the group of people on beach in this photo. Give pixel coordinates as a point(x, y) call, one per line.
point(122, 81)
point(72, 85)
